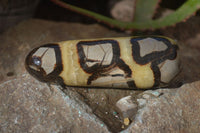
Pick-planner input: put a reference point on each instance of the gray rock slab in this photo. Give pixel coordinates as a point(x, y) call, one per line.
point(174, 111)
point(26, 105)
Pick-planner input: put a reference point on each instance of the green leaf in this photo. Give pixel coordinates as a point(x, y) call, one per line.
point(145, 9)
point(183, 12)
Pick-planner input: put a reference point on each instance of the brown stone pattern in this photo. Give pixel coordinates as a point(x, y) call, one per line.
point(17, 42)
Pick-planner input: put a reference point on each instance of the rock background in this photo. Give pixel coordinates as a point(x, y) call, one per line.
point(27, 105)
point(175, 110)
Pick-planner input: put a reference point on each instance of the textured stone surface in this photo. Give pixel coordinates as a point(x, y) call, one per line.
point(194, 41)
point(26, 105)
point(29, 105)
point(174, 110)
